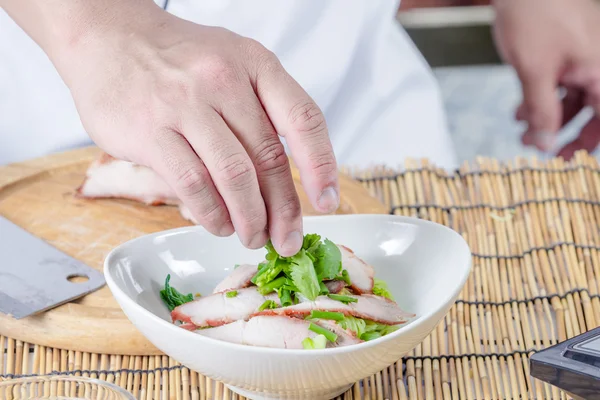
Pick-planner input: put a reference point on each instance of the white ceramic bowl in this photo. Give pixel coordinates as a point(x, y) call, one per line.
point(425, 265)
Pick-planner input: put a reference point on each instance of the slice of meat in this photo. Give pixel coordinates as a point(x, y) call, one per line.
point(232, 332)
point(345, 337)
point(335, 286)
point(239, 278)
point(367, 306)
point(264, 331)
point(361, 273)
point(111, 178)
point(108, 177)
point(218, 309)
point(275, 331)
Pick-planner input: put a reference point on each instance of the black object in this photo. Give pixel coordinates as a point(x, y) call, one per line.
point(573, 365)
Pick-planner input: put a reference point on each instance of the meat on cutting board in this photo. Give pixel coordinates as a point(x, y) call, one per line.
point(109, 177)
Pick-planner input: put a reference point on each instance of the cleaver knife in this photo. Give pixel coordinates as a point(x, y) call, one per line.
point(35, 276)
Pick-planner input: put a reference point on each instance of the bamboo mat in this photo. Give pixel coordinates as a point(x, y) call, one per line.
point(533, 230)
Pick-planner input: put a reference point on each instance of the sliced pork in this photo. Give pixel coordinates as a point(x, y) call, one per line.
point(264, 331)
point(335, 286)
point(238, 279)
point(361, 274)
point(108, 177)
point(345, 337)
point(219, 309)
point(275, 331)
point(367, 306)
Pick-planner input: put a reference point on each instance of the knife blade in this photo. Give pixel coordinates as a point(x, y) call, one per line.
point(36, 277)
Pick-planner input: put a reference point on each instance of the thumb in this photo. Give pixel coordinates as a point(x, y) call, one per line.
point(541, 102)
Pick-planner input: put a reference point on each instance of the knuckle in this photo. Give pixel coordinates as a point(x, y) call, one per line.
point(236, 171)
point(307, 118)
point(271, 157)
point(218, 70)
point(214, 215)
point(289, 210)
point(323, 164)
point(264, 59)
point(192, 181)
point(254, 223)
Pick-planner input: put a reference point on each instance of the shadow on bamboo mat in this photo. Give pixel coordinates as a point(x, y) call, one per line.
point(533, 229)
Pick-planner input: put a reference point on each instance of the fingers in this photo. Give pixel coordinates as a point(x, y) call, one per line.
point(572, 104)
point(175, 160)
point(541, 107)
point(247, 119)
point(588, 140)
point(232, 172)
point(586, 77)
point(297, 117)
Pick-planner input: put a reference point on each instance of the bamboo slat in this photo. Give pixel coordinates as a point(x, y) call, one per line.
point(533, 229)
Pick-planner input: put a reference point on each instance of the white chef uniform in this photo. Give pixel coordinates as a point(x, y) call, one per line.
point(378, 95)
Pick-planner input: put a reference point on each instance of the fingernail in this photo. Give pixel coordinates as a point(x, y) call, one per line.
point(544, 140)
point(292, 243)
point(227, 229)
point(329, 200)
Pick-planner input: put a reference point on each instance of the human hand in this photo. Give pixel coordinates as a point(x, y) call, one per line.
point(203, 107)
point(552, 44)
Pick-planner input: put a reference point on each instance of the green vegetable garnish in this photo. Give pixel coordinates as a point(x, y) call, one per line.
point(336, 316)
point(366, 330)
point(332, 337)
point(373, 330)
point(344, 277)
point(380, 288)
point(261, 268)
point(344, 299)
point(271, 286)
point(328, 262)
point(311, 242)
point(289, 285)
point(172, 297)
point(303, 275)
point(270, 272)
point(285, 297)
point(233, 293)
point(323, 289)
point(304, 271)
point(318, 342)
point(236, 266)
point(370, 336)
point(270, 304)
point(356, 325)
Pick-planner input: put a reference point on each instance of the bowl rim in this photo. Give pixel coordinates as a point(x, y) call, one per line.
point(64, 377)
point(408, 327)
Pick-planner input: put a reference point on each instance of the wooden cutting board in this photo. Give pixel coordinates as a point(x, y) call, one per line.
point(39, 196)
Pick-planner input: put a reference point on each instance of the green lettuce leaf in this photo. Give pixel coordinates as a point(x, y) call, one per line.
point(380, 288)
point(311, 242)
point(366, 330)
point(303, 275)
point(328, 262)
point(356, 325)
